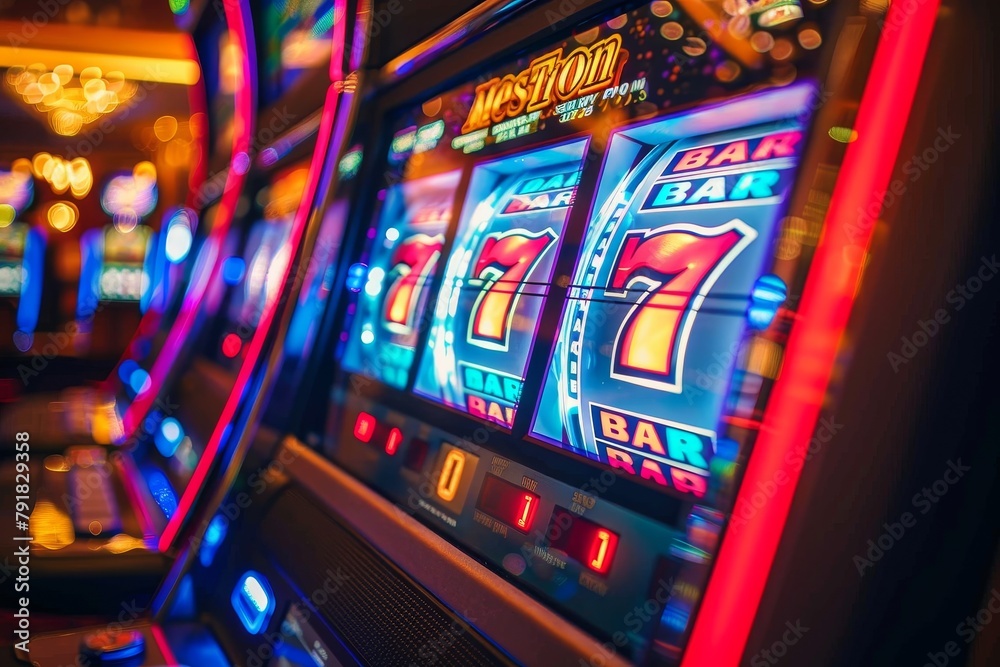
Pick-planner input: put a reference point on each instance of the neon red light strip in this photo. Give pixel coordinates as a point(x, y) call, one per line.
point(207, 459)
point(745, 558)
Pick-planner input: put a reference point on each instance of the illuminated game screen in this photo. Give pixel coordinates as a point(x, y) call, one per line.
point(408, 241)
point(496, 280)
point(653, 161)
point(123, 273)
point(13, 239)
point(671, 275)
point(266, 252)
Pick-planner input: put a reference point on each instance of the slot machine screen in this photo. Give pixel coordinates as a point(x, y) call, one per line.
point(254, 276)
point(13, 239)
point(407, 244)
point(124, 275)
point(671, 276)
point(496, 280)
point(570, 358)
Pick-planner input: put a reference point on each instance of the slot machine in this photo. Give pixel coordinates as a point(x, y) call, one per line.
point(22, 258)
point(593, 292)
point(117, 273)
point(108, 489)
point(586, 269)
point(169, 427)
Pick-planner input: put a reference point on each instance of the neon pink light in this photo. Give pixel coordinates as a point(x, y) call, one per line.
point(747, 554)
point(240, 33)
point(205, 463)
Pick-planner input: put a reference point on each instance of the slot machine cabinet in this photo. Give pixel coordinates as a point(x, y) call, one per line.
point(468, 474)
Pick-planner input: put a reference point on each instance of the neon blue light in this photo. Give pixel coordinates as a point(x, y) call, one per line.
point(172, 430)
point(169, 436)
point(233, 269)
point(162, 492)
point(126, 369)
point(255, 593)
point(31, 281)
point(178, 243)
point(215, 534)
point(253, 601)
point(139, 381)
point(356, 274)
point(91, 258)
point(768, 294)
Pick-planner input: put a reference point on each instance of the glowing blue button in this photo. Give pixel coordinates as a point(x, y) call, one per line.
point(169, 437)
point(139, 381)
point(356, 274)
point(253, 601)
point(233, 269)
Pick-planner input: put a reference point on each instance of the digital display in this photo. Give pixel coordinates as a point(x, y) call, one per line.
point(678, 252)
point(301, 645)
point(13, 239)
point(586, 542)
point(496, 280)
point(453, 476)
point(508, 502)
point(407, 246)
point(668, 280)
point(123, 274)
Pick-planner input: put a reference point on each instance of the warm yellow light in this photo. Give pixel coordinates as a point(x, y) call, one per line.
point(90, 65)
point(21, 165)
point(56, 463)
point(165, 128)
point(64, 72)
point(7, 215)
point(121, 543)
point(38, 164)
point(51, 527)
point(67, 123)
point(62, 216)
point(145, 171)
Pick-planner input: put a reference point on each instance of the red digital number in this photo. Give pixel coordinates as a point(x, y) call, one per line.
point(687, 260)
point(413, 262)
point(504, 262)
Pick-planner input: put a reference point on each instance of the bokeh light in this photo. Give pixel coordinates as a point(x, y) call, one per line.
point(63, 215)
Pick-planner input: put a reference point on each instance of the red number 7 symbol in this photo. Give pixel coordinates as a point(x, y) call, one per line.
point(505, 261)
point(413, 263)
point(688, 259)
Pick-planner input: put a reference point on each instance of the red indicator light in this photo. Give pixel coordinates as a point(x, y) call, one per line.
point(508, 502)
point(526, 513)
point(231, 345)
point(602, 551)
point(392, 442)
point(364, 427)
point(582, 540)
